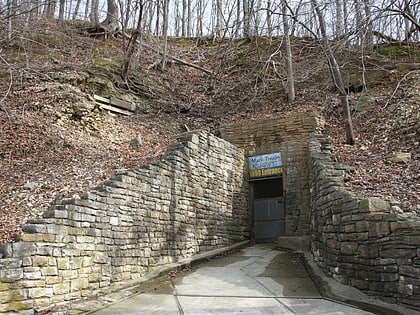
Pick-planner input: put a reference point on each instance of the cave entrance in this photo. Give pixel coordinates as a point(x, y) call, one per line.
point(269, 215)
point(265, 174)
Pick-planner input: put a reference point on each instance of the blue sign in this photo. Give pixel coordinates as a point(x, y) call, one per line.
point(265, 165)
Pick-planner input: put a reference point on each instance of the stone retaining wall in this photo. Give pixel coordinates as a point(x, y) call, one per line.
point(194, 200)
point(361, 242)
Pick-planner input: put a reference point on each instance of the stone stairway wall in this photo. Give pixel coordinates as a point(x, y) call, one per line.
point(197, 198)
point(193, 200)
point(361, 242)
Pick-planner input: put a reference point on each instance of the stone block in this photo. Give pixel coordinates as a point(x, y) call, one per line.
point(38, 283)
point(63, 263)
point(85, 246)
point(61, 288)
point(11, 275)
point(87, 261)
point(84, 239)
point(362, 226)
point(94, 277)
point(353, 236)
point(76, 285)
point(349, 228)
point(35, 293)
point(19, 307)
point(410, 271)
point(378, 229)
point(100, 258)
point(398, 253)
point(405, 225)
point(405, 288)
point(76, 262)
point(6, 296)
point(32, 275)
point(368, 251)
point(379, 216)
point(34, 228)
point(360, 284)
point(75, 231)
point(349, 248)
point(49, 271)
point(22, 249)
point(336, 219)
point(53, 279)
point(40, 261)
point(374, 204)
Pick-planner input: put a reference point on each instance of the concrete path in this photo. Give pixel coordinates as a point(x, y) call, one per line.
point(259, 279)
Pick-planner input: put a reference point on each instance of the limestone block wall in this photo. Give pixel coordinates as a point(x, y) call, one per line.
point(195, 199)
point(361, 242)
point(288, 134)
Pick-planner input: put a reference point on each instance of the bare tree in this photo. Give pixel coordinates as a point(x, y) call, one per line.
point(131, 47)
point(368, 29)
point(165, 32)
point(359, 22)
point(76, 9)
point(290, 83)
point(336, 75)
point(339, 18)
point(268, 20)
point(111, 23)
point(49, 9)
point(200, 16)
point(246, 19)
point(94, 13)
point(220, 22)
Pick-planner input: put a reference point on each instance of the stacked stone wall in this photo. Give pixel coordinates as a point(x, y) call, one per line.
point(288, 134)
point(365, 243)
point(193, 200)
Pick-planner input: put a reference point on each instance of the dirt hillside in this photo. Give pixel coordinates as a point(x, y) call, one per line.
point(56, 143)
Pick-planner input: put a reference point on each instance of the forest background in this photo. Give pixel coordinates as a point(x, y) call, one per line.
point(196, 64)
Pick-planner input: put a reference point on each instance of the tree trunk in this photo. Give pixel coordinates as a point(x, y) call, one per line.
point(358, 13)
point(219, 19)
point(87, 5)
point(346, 16)
point(336, 76)
point(184, 18)
point(339, 18)
point(111, 22)
point(61, 10)
point(369, 27)
point(189, 18)
point(268, 20)
point(158, 23)
point(200, 13)
point(50, 9)
point(94, 12)
point(128, 13)
point(247, 18)
point(290, 83)
point(165, 32)
point(76, 9)
point(131, 47)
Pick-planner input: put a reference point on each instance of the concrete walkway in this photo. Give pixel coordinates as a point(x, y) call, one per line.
point(258, 279)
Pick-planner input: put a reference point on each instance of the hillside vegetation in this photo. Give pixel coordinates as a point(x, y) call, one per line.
point(56, 143)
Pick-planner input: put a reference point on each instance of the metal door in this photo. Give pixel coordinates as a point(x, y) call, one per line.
point(269, 219)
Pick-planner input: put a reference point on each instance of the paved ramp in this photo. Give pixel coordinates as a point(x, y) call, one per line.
point(256, 280)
